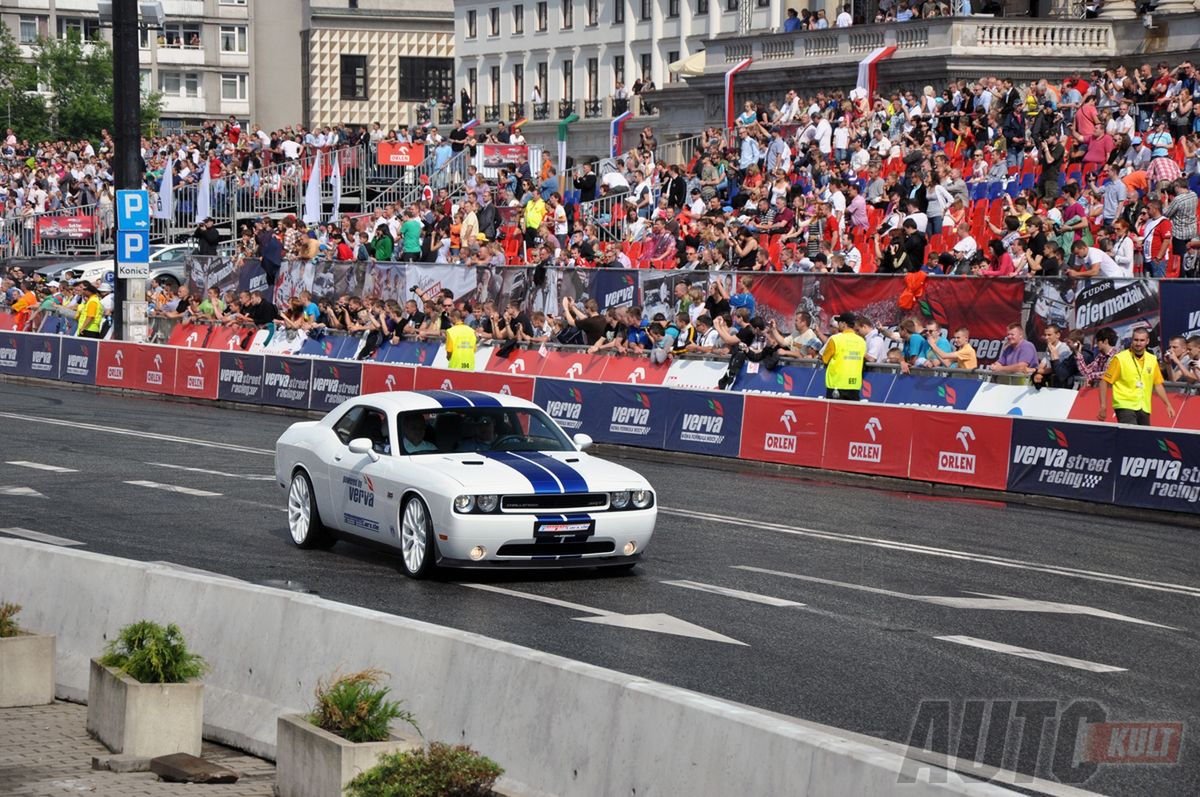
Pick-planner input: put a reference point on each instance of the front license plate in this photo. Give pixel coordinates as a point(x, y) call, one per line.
point(556, 527)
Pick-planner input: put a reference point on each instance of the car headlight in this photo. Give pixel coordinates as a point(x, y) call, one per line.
point(619, 499)
point(641, 499)
point(487, 503)
point(464, 503)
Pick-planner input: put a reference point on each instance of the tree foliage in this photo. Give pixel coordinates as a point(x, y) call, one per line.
point(66, 93)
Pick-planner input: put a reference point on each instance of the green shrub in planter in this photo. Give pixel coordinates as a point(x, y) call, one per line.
point(356, 708)
point(440, 771)
point(153, 654)
point(8, 625)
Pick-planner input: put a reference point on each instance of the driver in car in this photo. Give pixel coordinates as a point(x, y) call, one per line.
point(414, 435)
point(482, 434)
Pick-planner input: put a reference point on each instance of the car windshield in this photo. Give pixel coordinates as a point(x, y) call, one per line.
point(479, 429)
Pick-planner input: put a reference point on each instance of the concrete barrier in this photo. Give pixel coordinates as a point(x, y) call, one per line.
point(559, 726)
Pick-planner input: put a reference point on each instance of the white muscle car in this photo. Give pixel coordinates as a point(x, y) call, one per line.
point(460, 479)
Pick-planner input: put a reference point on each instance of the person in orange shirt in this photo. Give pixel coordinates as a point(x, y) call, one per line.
point(1137, 183)
point(24, 305)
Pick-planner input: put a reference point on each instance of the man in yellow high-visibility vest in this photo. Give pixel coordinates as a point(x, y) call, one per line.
point(844, 354)
point(1131, 377)
point(460, 343)
point(90, 314)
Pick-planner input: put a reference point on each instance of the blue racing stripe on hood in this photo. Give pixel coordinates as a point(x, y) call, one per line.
point(539, 478)
point(448, 400)
point(572, 480)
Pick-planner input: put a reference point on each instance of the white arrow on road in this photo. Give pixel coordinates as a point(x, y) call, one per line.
point(988, 602)
point(24, 492)
point(660, 623)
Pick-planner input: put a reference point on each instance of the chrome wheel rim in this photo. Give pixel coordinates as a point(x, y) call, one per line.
point(412, 535)
point(299, 509)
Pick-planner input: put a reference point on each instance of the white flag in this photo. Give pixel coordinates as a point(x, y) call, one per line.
point(204, 193)
point(312, 194)
point(335, 180)
point(164, 203)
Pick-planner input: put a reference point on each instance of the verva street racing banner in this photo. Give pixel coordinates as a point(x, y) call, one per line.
point(1158, 469)
point(1063, 459)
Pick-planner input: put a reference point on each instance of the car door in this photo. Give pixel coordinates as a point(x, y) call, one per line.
point(356, 481)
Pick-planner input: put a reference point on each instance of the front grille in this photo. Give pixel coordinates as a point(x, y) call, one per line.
point(554, 548)
point(553, 502)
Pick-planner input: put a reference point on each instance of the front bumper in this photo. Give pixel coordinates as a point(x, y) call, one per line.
point(510, 541)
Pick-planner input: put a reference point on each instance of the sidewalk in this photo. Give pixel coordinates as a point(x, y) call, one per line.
point(45, 751)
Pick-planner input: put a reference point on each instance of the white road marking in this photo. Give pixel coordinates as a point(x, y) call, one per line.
point(20, 492)
point(948, 553)
point(38, 536)
point(1026, 653)
point(987, 602)
point(174, 488)
point(657, 622)
point(39, 466)
point(728, 592)
point(139, 433)
point(252, 477)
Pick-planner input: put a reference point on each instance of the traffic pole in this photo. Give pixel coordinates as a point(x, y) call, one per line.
point(129, 295)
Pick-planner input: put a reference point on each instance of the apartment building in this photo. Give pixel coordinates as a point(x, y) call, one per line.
point(276, 62)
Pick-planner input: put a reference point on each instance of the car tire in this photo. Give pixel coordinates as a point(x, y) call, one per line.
point(417, 548)
point(304, 521)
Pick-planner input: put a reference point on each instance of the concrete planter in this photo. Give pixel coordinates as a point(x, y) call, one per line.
point(26, 670)
point(144, 720)
point(310, 762)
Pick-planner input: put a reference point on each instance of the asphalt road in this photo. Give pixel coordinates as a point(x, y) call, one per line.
point(852, 606)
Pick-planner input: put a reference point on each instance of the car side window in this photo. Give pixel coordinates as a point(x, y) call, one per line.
point(346, 425)
point(374, 426)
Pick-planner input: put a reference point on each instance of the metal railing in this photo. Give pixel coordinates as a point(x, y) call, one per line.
point(65, 232)
point(409, 187)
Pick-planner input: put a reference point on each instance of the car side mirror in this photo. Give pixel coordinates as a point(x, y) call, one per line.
point(363, 445)
point(582, 441)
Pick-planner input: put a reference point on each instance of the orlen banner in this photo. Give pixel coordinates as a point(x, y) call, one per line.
point(240, 377)
point(395, 153)
point(286, 381)
point(118, 365)
point(333, 383)
point(77, 360)
point(704, 422)
point(379, 378)
point(868, 438)
point(447, 379)
point(954, 448)
point(1071, 460)
point(157, 371)
point(787, 430)
point(1158, 469)
point(196, 373)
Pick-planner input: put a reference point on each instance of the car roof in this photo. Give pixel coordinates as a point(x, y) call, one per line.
point(408, 400)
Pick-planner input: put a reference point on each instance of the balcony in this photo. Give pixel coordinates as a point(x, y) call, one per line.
point(968, 37)
point(491, 113)
point(565, 108)
point(174, 55)
point(516, 111)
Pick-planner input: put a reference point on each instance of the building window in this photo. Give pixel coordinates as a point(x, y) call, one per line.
point(181, 34)
point(471, 23)
point(144, 83)
point(78, 26)
point(672, 57)
point(763, 3)
point(473, 84)
point(593, 13)
point(646, 6)
point(701, 6)
point(672, 8)
point(519, 18)
point(568, 14)
point(618, 69)
point(233, 39)
point(427, 78)
point(32, 29)
point(543, 69)
point(179, 84)
point(731, 5)
point(645, 66)
point(494, 21)
point(235, 87)
point(568, 80)
point(354, 77)
point(593, 78)
point(541, 16)
point(518, 82)
point(232, 2)
point(495, 95)
point(618, 12)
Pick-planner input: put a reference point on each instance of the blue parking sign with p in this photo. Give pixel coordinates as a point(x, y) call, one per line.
point(133, 247)
point(133, 210)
